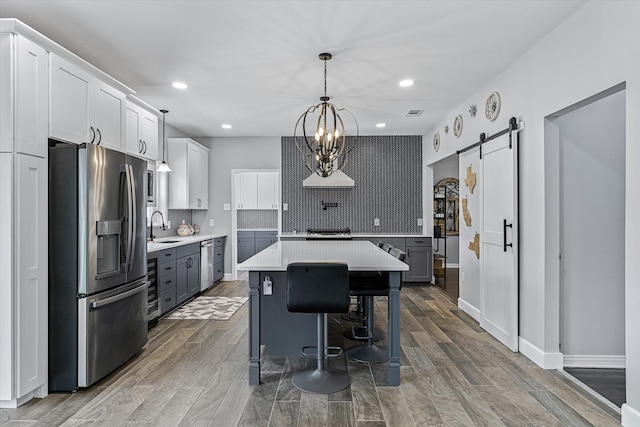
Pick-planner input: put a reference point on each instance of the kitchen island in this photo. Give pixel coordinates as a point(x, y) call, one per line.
point(283, 333)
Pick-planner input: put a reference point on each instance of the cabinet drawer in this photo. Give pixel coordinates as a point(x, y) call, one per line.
point(396, 242)
point(218, 271)
point(418, 241)
point(218, 255)
point(166, 268)
point(265, 234)
point(167, 281)
point(219, 241)
point(166, 255)
point(186, 250)
point(167, 299)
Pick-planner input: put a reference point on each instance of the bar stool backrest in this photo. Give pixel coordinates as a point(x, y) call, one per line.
point(317, 287)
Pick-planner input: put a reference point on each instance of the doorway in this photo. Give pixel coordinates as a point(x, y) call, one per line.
point(590, 139)
point(446, 246)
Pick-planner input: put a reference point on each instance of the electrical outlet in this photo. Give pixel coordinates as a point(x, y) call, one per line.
point(267, 286)
point(419, 222)
point(168, 225)
point(285, 206)
point(210, 222)
point(462, 277)
point(376, 222)
point(226, 206)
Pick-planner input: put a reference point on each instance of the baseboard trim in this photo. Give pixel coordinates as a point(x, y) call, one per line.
point(630, 416)
point(539, 357)
point(594, 361)
point(469, 309)
point(228, 277)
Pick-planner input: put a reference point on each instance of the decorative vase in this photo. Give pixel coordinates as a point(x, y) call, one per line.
point(185, 230)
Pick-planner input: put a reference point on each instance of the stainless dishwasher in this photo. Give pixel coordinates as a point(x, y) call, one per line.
point(206, 264)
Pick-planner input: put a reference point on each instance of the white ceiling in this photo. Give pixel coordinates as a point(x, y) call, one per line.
point(254, 64)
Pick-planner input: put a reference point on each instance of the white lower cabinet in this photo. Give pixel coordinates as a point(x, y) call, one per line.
point(23, 280)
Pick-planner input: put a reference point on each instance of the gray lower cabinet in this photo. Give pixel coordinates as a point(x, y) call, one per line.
point(252, 242)
point(187, 271)
point(166, 277)
point(419, 256)
point(218, 258)
point(246, 240)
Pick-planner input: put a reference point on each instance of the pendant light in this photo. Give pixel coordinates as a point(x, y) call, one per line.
point(163, 167)
point(324, 148)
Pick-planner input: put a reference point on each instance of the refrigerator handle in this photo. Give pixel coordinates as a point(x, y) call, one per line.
point(130, 218)
point(119, 297)
point(134, 216)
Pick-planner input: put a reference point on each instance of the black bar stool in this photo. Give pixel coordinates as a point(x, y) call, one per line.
point(319, 288)
point(359, 280)
point(370, 287)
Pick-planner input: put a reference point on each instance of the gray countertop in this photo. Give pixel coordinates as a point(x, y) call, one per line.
point(174, 241)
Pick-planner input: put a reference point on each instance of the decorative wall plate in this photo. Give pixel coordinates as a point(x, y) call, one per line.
point(436, 141)
point(492, 107)
point(457, 126)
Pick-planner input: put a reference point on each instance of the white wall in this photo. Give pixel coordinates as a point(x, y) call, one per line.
point(591, 142)
point(594, 49)
point(227, 154)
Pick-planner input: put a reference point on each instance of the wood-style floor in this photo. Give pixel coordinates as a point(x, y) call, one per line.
point(194, 373)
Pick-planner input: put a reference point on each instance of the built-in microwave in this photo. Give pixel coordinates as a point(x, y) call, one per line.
point(150, 186)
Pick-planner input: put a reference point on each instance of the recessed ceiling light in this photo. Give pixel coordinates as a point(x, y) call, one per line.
point(406, 83)
point(179, 85)
point(226, 126)
point(381, 125)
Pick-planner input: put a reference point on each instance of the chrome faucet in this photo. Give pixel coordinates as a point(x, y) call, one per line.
point(151, 236)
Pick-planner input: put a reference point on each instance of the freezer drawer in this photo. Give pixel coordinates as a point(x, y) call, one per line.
point(112, 327)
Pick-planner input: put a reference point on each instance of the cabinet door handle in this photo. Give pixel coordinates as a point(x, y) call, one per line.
point(144, 143)
point(100, 135)
point(139, 146)
point(93, 134)
point(504, 235)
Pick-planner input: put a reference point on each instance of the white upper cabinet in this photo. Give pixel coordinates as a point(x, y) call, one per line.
point(268, 190)
point(257, 190)
point(141, 132)
point(23, 94)
point(83, 108)
point(246, 190)
point(189, 176)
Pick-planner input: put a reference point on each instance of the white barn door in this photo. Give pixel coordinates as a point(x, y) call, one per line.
point(498, 240)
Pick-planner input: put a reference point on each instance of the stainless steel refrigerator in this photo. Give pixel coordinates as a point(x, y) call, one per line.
point(97, 262)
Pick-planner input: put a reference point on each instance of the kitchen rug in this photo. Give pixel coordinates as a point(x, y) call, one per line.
point(215, 308)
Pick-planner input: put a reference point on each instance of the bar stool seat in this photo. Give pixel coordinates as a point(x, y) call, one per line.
point(319, 288)
point(370, 287)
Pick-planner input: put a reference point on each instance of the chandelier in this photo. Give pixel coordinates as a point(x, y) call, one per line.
point(324, 146)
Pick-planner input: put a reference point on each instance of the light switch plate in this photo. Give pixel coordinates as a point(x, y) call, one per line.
point(211, 223)
point(226, 206)
point(285, 206)
point(376, 222)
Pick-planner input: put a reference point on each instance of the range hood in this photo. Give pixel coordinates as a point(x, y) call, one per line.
point(337, 179)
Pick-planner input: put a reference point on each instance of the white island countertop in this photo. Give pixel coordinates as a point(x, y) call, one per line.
point(358, 255)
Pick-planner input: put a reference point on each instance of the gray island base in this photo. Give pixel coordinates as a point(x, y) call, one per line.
point(283, 333)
